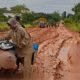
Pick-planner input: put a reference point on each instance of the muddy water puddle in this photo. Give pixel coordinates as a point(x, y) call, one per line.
point(11, 76)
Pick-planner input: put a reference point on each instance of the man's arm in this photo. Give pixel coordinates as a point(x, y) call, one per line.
point(26, 38)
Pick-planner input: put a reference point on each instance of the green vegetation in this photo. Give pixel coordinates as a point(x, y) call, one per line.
point(19, 9)
point(3, 26)
point(31, 19)
point(73, 26)
point(73, 21)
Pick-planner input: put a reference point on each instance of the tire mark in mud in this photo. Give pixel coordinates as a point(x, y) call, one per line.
point(62, 43)
point(57, 75)
point(53, 59)
point(57, 42)
point(45, 33)
point(48, 41)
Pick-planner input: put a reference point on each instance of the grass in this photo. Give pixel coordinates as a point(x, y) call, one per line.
point(73, 26)
point(30, 26)
point(3, 26)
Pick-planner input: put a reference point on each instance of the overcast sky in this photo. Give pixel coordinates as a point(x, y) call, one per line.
point(47, 6)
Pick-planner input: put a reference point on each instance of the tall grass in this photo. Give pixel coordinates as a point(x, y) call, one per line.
point(73, 26)
point(30, 26)
point(3, 26)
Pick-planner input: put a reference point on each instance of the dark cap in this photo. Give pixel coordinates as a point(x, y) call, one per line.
point(17, 17)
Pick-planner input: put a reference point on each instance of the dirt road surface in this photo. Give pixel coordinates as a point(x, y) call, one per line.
point(52, 62)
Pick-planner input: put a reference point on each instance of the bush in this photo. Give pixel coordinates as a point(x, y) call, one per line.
point(68, 20)
point(3, 26)
point(73, 26)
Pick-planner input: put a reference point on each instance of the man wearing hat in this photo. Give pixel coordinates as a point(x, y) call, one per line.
point(22, 40)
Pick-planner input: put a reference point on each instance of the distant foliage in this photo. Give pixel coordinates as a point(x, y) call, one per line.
point(27, 18)
point(32, 19)
point(76, 10)
point(19, 9)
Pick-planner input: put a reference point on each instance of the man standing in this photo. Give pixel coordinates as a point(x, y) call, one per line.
point(23, 42)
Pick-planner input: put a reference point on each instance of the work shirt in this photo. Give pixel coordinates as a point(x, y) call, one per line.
point(21, 39)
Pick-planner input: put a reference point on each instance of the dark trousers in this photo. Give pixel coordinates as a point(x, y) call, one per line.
point(20, 60)
point(32, 59)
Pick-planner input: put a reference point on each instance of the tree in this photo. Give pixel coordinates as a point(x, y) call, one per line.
point(53, 18)
point(2, 17)
point(77, 17)
point(69, 15)
point(56, 16)
point(27, 18)
point(3, 10)
point(39, 15)
point(76, 10)
point(64, 15)
point(19, 9)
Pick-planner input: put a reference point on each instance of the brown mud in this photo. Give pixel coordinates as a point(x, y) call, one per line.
point(52, 62)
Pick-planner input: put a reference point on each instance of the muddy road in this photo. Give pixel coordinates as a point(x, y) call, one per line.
point(54, 59)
